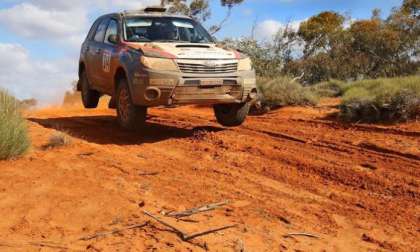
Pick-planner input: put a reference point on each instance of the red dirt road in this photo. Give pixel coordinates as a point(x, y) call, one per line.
point(292, 170)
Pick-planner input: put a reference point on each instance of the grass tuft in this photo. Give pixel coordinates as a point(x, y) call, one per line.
point(331, 88)
point(14, 140)
point(382, 100)
point(283, 91)
point(57, 139)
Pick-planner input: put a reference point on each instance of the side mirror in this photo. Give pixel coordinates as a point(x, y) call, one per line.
point(113, 39)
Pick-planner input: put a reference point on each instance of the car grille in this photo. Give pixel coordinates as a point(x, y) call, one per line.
point(217, 68)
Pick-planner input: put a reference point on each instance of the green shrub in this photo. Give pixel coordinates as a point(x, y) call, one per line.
point(14, 140)
point(283, 91)
point(386, 100)
point(331, 88)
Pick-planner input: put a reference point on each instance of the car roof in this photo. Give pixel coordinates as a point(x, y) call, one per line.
point(142, 13)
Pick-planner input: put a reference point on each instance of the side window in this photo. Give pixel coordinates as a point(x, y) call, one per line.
point(100, 32)
point(112, 30)
point(92, 30)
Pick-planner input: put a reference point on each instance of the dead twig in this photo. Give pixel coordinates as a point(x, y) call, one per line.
point(195, 235)
point(48, 245)
point(302, 234)
point(183, 235)
point(102, 234)
point(188, 220)
point(42, 244)
point(149, 174)
point(196, 210)
point(180, 233)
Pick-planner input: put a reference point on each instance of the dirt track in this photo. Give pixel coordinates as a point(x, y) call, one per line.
point(292, 170)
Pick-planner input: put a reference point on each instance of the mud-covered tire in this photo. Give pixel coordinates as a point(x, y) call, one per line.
point(231, 115)
point(130, 116)
point(90, 97)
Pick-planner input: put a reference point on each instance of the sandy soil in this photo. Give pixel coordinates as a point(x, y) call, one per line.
point(356, 186)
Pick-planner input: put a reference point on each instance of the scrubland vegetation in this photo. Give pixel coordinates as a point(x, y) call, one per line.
point(283, 91)
point(364, 61)
point(14, 139)
point(382, 100)
point(374, 100)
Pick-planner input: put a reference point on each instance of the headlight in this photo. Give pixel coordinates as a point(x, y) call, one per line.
point(245, 64)
point(159, 64)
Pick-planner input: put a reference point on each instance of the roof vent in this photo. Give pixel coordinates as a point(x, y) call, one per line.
point(155, 9)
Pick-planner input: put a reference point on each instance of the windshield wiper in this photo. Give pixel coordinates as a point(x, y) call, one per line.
point(170, 40)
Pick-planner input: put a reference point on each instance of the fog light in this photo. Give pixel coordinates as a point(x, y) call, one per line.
point(253, 95)
point(152, 94)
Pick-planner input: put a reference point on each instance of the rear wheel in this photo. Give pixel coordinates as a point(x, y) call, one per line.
point(231, 115)
point(90, 97)
point(130, 116)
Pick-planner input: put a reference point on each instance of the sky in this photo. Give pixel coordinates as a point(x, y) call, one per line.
point(40, 39)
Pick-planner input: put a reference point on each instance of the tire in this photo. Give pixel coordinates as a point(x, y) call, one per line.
point(232, 115)
point(90, 97)
point(130, 116)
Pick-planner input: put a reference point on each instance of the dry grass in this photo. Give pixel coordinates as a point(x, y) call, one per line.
point(58, 139)
point(382, 100)
point(283, 91)
point(331, 88)
point(14, 139)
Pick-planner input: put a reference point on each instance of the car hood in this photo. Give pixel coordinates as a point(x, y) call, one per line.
point(187, 50)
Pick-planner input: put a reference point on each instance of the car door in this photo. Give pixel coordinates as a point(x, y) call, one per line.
point(94, 56)
point(109, 55)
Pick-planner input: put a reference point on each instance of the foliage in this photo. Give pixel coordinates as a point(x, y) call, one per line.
point(320, 31)
point(387, 100)
point(332, 46)
point(283, 91)
point(268, 57)
point(14, 140)
point(199, 9)
point(331, 88)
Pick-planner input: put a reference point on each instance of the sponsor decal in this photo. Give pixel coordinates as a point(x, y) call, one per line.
point(106, 61)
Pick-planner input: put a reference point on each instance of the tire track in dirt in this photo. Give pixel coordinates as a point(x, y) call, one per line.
point(283, 173)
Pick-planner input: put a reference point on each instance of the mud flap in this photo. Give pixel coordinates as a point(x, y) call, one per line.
point(112, 103)
point(79, 86)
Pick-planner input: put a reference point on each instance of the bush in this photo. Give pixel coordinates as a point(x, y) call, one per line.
point(14, 140)
point(382, 100)
point(331, 88)
point(283, 91)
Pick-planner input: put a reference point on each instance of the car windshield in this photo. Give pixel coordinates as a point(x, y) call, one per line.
point(165, 29)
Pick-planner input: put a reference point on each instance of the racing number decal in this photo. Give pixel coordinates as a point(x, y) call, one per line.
point(106, 61)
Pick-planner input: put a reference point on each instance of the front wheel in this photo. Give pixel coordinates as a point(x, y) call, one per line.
point(130, 116)
point(231, 115)
point(90, 97)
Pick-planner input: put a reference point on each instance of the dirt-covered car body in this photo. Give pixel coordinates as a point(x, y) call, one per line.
point(163, 73)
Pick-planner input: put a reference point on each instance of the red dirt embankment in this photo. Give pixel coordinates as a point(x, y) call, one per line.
point(292, 170)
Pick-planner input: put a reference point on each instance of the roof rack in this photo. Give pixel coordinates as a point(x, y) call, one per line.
point(155, 9)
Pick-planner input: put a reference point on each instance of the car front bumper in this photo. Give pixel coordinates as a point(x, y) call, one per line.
point(160, 88)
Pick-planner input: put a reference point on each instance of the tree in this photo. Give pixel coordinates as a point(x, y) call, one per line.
point(406, 21)
point(200, 9)
point(319, 31)
point(268, 57)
